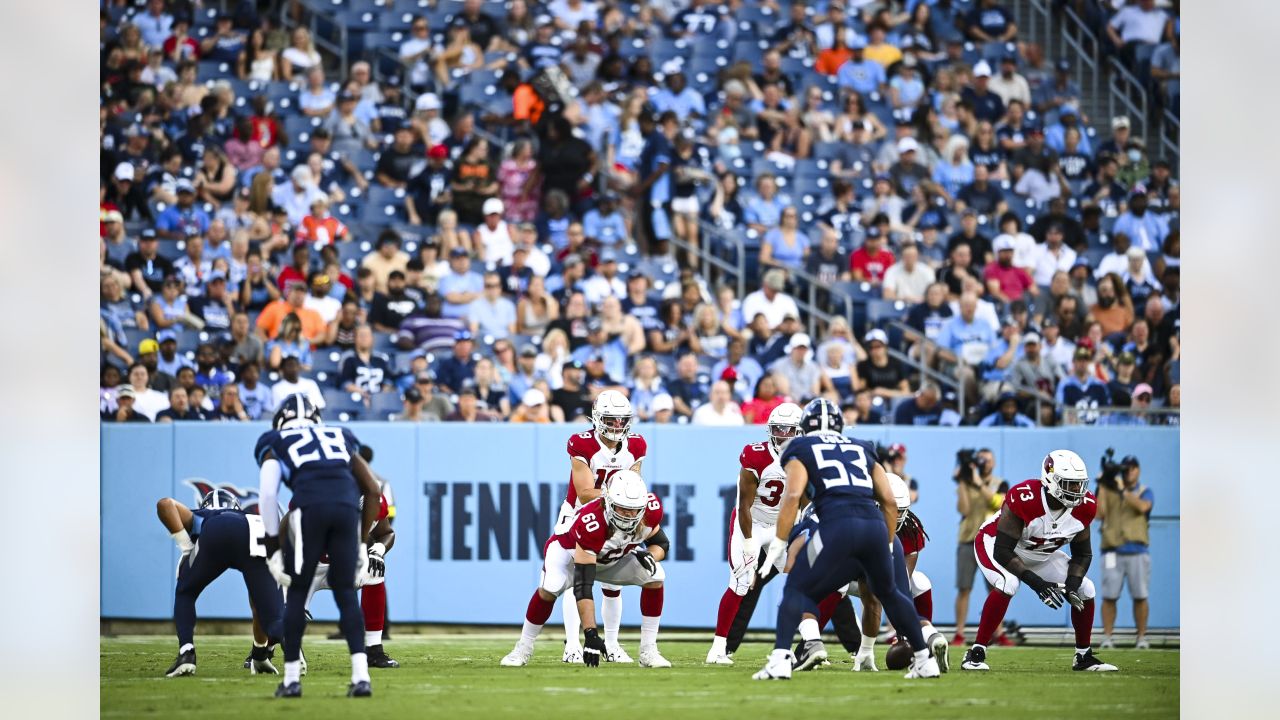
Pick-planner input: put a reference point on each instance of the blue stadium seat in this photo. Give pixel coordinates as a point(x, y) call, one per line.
point(298, 129)
point(879, 311)
point(384, 343)
point(325, 360)
point(342, 406)
point(383, 405)
point(859, 291)
point(214, 70)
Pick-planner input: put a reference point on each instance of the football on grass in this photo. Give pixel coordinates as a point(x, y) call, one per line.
point(898, 657)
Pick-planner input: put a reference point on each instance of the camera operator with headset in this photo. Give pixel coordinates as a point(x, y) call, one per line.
point(1124, 511)
point(979, 494)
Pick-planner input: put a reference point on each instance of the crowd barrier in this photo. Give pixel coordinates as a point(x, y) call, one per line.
point(475, 504)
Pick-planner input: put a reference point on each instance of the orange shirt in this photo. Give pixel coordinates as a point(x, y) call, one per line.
point(273, 314)
point(526, 105)
point(830, 60)
point(1113, 319)
point(321, 230)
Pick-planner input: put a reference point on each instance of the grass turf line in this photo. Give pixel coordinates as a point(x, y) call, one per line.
point(460, 678)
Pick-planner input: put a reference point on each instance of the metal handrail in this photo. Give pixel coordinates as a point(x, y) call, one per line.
point(1071, 414)
point(704, 255)
point(922, 367)
point(1035, 20)
point(316, 12)
point(1168, 143)
point(1076, 43)
point(1123, 86)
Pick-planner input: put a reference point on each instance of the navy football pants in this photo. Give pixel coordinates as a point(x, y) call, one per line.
point(224, 545)
point(316, 530)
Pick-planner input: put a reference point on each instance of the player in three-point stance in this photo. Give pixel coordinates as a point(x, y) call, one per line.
point(617, 539)
point(216, 537)
point(1022, 545)
point(322, 467)
point(760, 484)
point(596, 456)
point(855, 536)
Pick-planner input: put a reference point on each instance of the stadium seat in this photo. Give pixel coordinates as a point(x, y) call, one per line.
point(384, 404)
point(879, 311)
point(340, 403)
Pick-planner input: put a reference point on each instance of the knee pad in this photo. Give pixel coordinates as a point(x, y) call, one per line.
point(1087, 591)
point(920, 584)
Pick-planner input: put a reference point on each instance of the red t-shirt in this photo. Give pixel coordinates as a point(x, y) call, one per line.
point(866, 266)
point(192, 51)
point(1014, 281)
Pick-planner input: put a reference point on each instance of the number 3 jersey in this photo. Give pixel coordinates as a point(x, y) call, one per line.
point(1044, 531)
point(759, 460)
point(839, 470)
point(592, 532)
point(315, 463)
point(603, 462)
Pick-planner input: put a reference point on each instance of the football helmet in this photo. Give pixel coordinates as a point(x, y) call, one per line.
point(1065, 477)
point(784, 424)
point(612, 415)
point(297, 410)
point(219, 499)
point(821, 415)
point(901, 496)
point(625, 498)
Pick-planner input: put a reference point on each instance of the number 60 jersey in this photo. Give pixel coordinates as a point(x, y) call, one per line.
point(315, 463)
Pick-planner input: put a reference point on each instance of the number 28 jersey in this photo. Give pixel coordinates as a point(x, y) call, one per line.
point(839, 470)
point(1042, 532)
point(759, 460)
point(604, 463)
point(315, 462)
point(590, 531)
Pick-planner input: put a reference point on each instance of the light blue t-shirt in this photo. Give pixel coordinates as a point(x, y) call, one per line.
point(956, 334)
point(458, 282)
point(493, 318)
point(608, 230)
point(784, 254)
point(865, 77)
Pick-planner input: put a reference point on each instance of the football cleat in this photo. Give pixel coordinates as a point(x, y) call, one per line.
point(260, 661)
point(302, 658)
point(572, 655)
point(378, 657)
point(865, 661)
point(651, 658)
point(1107, 643)
point(360, 689)
point(1142, 643)
point(518, 657)
point(716, 658)
point(777, 667)
point(1005, 641)
point(185, 664)
point(975, 659)
point(1087, 661)
point(959, 640)
point(292, 690)
point(812, 653)
point(941, 651)
point(616, 654)
point(923, 668)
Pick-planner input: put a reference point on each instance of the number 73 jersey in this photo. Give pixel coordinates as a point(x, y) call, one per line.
point(759, 460)
point(1043, 532)
point(315, 463)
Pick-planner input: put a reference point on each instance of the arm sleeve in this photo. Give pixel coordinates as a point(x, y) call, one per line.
point(268, 492)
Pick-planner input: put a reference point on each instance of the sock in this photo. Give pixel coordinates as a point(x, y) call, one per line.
point(1082, 621)
point(534, 618)
point(993, 611)
point(258, 644)
point(611, 611)
point(924, 604)
point(183, 539)
point(571, 619)
point(827, 608)
point(927, 629)
point(868, 643)
point(292, 671)
point(373, 603)
point(717, 645)
point(1081, 651)
point(372, 637)
point(650, 616)
point(730, 602)
point(188, 647)
point(809, 630)
point(921, 655)
point(359, 667)
point(846, 624)
point(780, 653)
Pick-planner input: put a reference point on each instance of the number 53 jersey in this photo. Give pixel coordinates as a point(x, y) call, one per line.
point(315, 463)
point(839, 470)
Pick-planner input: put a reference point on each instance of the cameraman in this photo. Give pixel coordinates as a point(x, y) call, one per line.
point(1124, 509)
point(979, 493)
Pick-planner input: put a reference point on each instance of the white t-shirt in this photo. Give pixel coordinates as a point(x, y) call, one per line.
point(420, 73)
point(328, 306)
point(1137, 25)
point(284, 389)
point(1047, 263)
point(909, 284)
point(596, 288)
point(774, 311)
point(707, 415)
point(149, 402)
point(497, 243)
point(1025, 251)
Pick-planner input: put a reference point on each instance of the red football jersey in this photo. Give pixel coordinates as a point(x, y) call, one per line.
point(1043, 532)
point(604, 463)
point(759, 460)
point(590, 531)
point(913, 539)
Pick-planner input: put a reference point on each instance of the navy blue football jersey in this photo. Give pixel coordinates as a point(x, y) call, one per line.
point(839, 470)
point(805, 526)
point(315, 463)
point(253, 532)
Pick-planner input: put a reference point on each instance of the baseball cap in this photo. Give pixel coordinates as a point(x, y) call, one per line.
point(148, 346)
point(1063, 65)
point(799, 340)
point(857, 42)
point(219, 275)
point(347, 96)
point(660, 402)
point(1083, 353)
point(533, 397)
point(1068, 109)
point(982, 69)
point(165, 336)
point(427, 101)
point(426, 377)
point(1125, 358)
point(1130, 461)
point(113, 216)
point(462, 335)
point(876, 335)
point(458, 251)
point(1119, 121)
point(608, 255)
point(124, 171)
point(1142, 389)
point(1009, 58)
point(1031, 339)
point(528, 350)
point(1135, 252)
point(729, 374)
point(125, 391)
point(184, 185)
point(907, 144)
point(492, 206)
point(438, 152)
point(1003, 241)
point(594, 325)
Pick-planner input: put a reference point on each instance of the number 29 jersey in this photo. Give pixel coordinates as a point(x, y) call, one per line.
point(759, 460)
point(315, 463)
point(839, 470)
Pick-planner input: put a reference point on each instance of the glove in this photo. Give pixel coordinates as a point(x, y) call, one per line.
point(751, 551)
point(1073, 592)
point(646, 559)
point(362, 560)
point(865, 660)
point(177, 571)
point(1049, 594)
point(377, 565)
point(593, 649)
point(275, 564)
point(777, 547)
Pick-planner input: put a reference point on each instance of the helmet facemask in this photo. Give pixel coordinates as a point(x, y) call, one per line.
point(614, 428)
point(780, 433)
point(1070, 490)
point(622, 518)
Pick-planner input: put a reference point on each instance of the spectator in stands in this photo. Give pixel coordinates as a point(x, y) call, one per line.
point(908, 279)
point(1010, 85)
point(1124, 511)
point(215, 307)
point(296, 197)
point(390, 310)
point(1035, 368)
point(256, 398)
point(964, 341)
point(183, 218)
point(829, 263)
point(746, 371)
point(927, 318)
point(469, 409)
point(1114, 309)
point(169, 308)
point(802, 374)
point(1062, 90)
point(230, 409)
point(990, 22)
point(861, 74)
point(533, 408)
point(1007, 414)
point(1004, 281)
point(870, 262)
point(921, 409)
point(289, 341)
point(294, 302)
point(763, 211)
point(612, 353)
point(572, 397)
point(193, 267)
point(1147, 230)
point(491, 392)
point(1082, 390)
point(148, 355)
point(720, 408)
point(954, 170)
point(986, 105)
point(124, 411)
point(435, 407)
point(770, 300)
point(981, 195)
point(785, 246)
point(179, 408)
point(363, 371)
point(879, 373)
point(455, 369)
point(1137, 25)
point(387, 258)
point(1166, 71)
point(147, 400)
point(492, 314)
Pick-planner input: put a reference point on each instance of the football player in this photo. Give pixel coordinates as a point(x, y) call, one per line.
point(760, 484)
point(855, 536)
point(596, 456)
point(1022, 544)
point(322, 467)
point(216, 537)
point(617, 539)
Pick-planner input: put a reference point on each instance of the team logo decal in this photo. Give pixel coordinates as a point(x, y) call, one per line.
point(247, 497)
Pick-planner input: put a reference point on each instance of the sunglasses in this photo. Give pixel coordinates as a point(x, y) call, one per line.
point(492, 285)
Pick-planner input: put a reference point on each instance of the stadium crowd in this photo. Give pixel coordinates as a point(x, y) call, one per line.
point(487, 217)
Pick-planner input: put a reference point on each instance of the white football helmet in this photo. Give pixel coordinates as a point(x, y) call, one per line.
point(901, 496)
point(1065, 477)
point(612, 415)
point(784, 424)
point(625, 498)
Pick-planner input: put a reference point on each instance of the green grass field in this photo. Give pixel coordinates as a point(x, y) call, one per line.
point(459, 677)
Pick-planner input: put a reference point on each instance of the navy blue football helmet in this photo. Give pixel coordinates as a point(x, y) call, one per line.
point(297, 410)
point(219, 499)
point(821, 415)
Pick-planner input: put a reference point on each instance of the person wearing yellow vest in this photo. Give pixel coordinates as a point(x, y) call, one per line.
point(1124, 510)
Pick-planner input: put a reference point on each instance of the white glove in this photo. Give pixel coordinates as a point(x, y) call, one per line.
point(177, 571)
point(865, 660)
point(751, 550)
point(362, 560)
point(183, 541)
point(275, 564)
point(777, 547)
point(377, 570)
